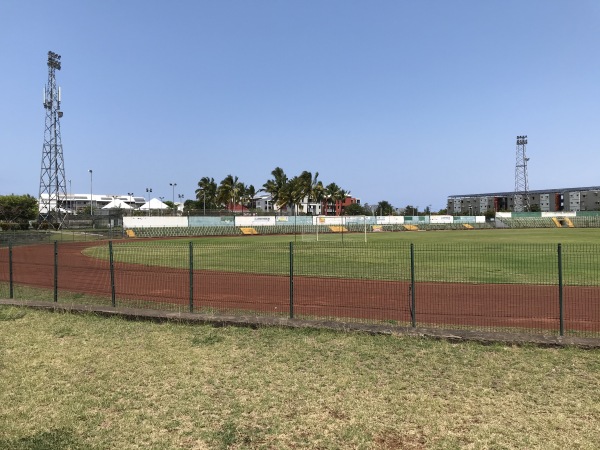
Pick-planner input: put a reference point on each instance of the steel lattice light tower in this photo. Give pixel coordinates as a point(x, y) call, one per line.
point(53, 186)
point(521, 201)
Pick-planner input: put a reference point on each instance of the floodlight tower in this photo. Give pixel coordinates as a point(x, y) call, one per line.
point(521, 201)
point(53, 186)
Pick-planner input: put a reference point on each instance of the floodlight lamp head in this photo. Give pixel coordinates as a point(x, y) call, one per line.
point(54, 63)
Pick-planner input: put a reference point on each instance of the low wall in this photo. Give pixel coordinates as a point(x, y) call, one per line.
point(269, 221)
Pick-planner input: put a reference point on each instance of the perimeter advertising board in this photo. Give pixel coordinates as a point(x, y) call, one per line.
point(328, 220)
point(154, 222)
point(390, 220)
point(559, 214)
point(254, 221)
point(441, 219)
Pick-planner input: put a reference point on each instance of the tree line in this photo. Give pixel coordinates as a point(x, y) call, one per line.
point(286, 192)
point(17, 210)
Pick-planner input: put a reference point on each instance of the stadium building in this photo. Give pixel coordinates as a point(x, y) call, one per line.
point(548, 200)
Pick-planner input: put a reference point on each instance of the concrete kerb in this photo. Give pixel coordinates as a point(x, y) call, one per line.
point(260, 321)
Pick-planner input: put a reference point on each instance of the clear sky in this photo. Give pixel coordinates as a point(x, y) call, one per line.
point(404, 101)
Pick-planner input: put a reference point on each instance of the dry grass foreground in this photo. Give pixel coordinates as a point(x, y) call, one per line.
point(86, 382)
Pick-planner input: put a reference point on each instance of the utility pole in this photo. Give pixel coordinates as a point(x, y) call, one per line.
point(173, 200)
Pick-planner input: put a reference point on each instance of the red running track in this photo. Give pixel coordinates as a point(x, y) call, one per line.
point(481, 305)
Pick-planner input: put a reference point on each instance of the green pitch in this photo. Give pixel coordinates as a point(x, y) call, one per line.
point(477, 256)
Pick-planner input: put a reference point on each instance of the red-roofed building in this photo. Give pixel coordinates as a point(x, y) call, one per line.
point(337, 209)
point(241, 209)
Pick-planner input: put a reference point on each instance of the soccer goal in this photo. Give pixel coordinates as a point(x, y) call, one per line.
point(338, 228)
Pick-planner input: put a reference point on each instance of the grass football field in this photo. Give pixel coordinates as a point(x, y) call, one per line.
point(524, 256)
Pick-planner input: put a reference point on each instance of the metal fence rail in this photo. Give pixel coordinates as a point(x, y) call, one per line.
point(535, 288)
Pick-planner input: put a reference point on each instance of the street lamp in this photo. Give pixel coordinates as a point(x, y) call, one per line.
point(91, 192)
point(173, 186)
point(149, 191)
point(203, 202)
point(161, 200)
point(71, 197)
point(131, 200)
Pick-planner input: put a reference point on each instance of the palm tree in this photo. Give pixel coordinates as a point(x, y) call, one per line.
point(304, 182)
point(343, 194)
point(207, 192)
point(317, 191)
point(292, 194)
point(230, 190)
point(332, 193)
point(248, 196)
point(275, 186)
point(311, 188)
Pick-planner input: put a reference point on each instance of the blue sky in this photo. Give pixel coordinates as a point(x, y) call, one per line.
point(404, 101)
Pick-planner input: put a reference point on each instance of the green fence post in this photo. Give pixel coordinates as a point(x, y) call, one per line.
point(561, 305)
point(113, 297)
point(191, 277)
point(55, 271)
point(10, 271)
point(413, 312)
point(291, 280)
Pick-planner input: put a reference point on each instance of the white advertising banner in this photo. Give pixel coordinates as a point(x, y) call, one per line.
point(441, 219)
point(326, 220)
point(154, 222)
point(390, 220)
point(254, 221)
point(559, 214)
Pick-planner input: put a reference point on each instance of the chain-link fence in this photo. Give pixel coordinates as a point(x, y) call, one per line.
point(535, 288)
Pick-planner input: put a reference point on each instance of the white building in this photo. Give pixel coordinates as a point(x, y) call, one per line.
point(77, 202)
point(265, 203)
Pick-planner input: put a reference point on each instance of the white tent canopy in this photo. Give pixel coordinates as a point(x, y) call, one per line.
point(117, 204)
point(153, 204)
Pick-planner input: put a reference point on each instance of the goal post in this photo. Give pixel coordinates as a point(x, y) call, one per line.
point(337, 228)
point(357, 225)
